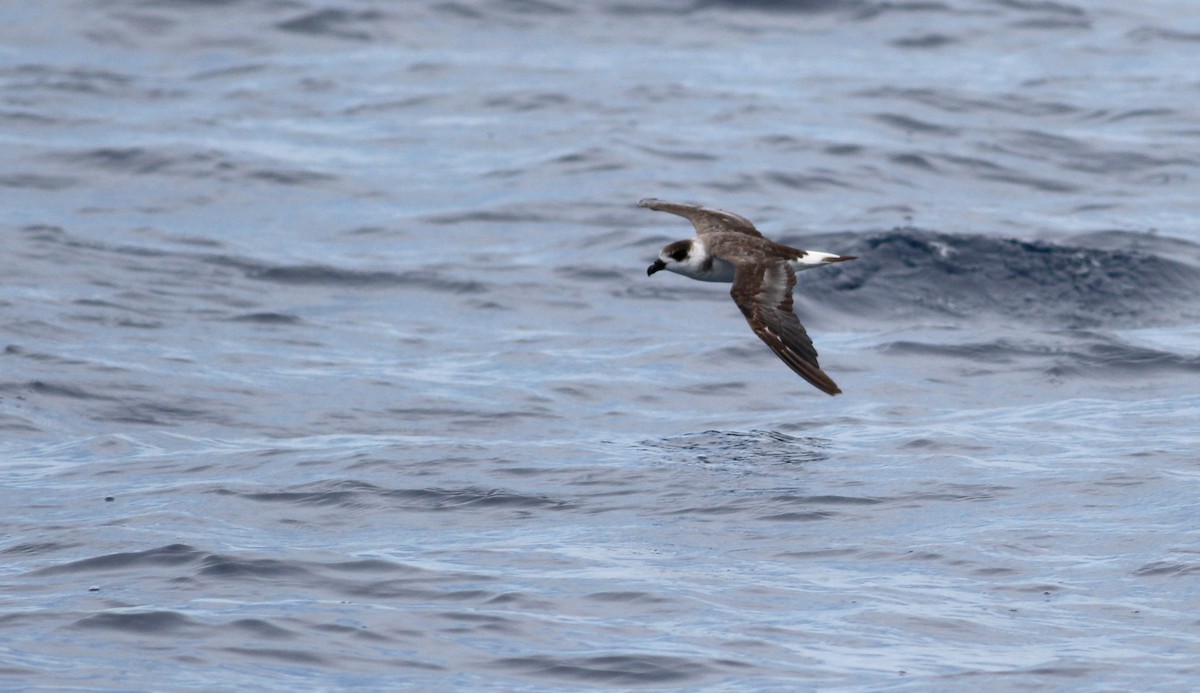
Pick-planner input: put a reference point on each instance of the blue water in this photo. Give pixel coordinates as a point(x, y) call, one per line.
point(329, 360)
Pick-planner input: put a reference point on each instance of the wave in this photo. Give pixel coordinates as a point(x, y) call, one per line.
point(784, 5)
point(625, 669)
point(334, 23)
point(725, 447)
point(910, 274)
point(351, 494)
point(182, 162)
point(1084, 353)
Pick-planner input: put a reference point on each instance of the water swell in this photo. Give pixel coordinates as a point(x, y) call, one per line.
point(909, 273)
point(161, 557)
point(1083, 353)
point(184, 162)
point(354, 494)
point(620, 669)
point(335, 23)
point(737, 447)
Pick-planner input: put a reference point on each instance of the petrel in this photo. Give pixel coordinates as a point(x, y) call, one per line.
point(727, 248)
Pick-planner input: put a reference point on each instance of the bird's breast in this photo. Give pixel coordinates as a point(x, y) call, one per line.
point(714, 269)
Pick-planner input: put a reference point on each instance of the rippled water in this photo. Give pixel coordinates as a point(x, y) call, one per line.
point(330, 360)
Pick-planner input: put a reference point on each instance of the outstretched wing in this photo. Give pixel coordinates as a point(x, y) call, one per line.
point(763, 291)
point(705, 219)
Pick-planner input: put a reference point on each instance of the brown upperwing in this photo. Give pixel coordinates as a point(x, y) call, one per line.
point(705, 219)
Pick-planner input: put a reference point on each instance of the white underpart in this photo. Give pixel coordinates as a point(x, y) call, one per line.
point(811, 259)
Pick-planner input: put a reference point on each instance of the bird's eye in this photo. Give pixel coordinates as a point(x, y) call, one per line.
point(679, 254)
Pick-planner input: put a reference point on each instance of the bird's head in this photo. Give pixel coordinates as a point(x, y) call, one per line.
point(676, 257)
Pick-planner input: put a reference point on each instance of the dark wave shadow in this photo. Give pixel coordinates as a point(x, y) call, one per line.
point(356, 494)
point(327, 275)
point(634, 669)
point(791, 6)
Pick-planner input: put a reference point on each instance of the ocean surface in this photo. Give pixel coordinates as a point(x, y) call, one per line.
point(328, 358)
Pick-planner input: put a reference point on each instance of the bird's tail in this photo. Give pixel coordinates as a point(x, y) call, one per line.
point(816, 258)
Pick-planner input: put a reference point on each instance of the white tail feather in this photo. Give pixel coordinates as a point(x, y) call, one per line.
point(816, 258)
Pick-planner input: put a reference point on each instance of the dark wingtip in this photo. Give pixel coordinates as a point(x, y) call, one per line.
point(648, 202)
point(824, 384)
